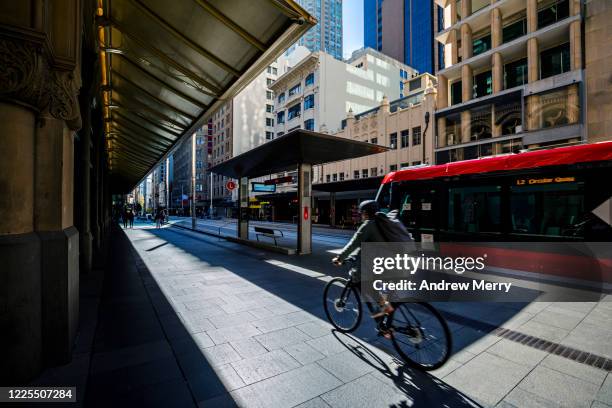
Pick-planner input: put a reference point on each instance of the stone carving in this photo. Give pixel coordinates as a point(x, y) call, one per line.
point(27, 77)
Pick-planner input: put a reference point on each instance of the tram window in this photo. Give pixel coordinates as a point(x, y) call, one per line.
point(384, 198)
point(474, 209)
point(551, 210)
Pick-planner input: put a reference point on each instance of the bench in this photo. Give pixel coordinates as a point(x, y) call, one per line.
point(268, 232)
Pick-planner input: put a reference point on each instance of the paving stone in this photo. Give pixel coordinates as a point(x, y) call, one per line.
point(558, 317)
point(227, 334)
point(561, 389)
point(329, 345)
point(575, 369)
point(543, 331)
point(316, 329)
point(605, 392)
point(591, 338)
point(221, 354)
point(487, 377)
point(249, 348)
point(519, 398)
point(288, 389)
point(366, 392)
point(234, 319)
point(281, 338)
point(303, 353)
point(314, 403)
point(347, 366)
point(264, 366)
point(517, 352)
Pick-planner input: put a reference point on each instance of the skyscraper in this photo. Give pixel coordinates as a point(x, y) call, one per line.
point(401, 29)
point(327, 34)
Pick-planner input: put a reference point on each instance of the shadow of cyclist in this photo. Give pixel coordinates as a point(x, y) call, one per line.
point(421, 387)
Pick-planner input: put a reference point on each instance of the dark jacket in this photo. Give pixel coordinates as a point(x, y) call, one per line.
point(367, 232)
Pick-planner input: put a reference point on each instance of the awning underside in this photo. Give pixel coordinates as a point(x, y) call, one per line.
point(166, 65)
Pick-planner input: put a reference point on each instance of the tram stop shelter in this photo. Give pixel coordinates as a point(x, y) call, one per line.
point(299, 149)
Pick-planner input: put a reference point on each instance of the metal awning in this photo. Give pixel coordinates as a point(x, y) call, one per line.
point(286, 152)
point(166, 66)
point(367, 183)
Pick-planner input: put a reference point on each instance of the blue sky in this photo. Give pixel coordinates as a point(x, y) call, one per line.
point(352, 22)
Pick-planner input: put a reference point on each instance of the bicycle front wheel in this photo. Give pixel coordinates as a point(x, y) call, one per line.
point(342, 305)
point(420, 335)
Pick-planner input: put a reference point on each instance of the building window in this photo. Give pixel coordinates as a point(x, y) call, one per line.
point(281, 98)
point(309, 79)
point(269, 108)
point(280, 117)
point(416, 135)
point(374, 140)
point(294, 111)
point(364, 173)
point(335, 177)
point(269, 82)
point(416, 163)
point(414, 84)
point(483, 84)
point(393, 167)
point(309, 124)
point(393, 140)
point(514, 30)
point(328, 178)
point(515, 73)
point(269, 122)
point(403, 165)
point(481, 44)
point(404, 135)
point(341, 176)
point(455, 93)
point(269, 135)
point(269, 95)
point(309, 102)
point(294, 90)
point(373, 172)
point(555, 61)
point(553, 13)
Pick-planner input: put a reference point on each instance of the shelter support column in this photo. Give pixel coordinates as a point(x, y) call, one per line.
point(332, 209)
point(304, 235)
point(243, 210)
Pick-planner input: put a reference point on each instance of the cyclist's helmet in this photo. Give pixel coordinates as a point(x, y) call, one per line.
point(370, 207)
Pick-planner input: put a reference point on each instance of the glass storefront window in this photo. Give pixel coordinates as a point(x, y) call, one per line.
point(555, 108)
point(480, 123)
point(455, 92)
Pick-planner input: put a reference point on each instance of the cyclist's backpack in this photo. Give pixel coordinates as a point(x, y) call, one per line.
point(392, 228)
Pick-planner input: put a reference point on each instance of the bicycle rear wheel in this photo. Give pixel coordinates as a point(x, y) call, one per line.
point(420, 335)
point(342, 305)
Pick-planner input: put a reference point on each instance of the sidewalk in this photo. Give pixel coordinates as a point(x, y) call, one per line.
point(253, 322)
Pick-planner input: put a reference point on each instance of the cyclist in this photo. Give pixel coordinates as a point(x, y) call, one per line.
point(369, 231)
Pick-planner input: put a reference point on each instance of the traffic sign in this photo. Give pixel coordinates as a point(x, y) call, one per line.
point(230, 185)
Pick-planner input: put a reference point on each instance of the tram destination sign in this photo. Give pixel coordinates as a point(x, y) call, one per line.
point(544, 180)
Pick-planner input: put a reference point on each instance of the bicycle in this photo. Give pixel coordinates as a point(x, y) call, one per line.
point(416, 329)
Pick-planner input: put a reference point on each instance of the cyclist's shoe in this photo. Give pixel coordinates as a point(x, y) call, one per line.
point(384, 332)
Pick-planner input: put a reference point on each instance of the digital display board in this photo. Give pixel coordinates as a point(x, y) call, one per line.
point(263, 188)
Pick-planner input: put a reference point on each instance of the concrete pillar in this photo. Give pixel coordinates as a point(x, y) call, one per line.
point(496, 28)
point(467, 46)
point(532, 15)
point(466, 8)
point(304, 233)
point(243, 208)
point(442, 98)
point(533, 60)
point(20, 279)
point(467, 80)
point(497, 72)
point(453, 11)
point(573, 104)
point(53, 220)
point(86, 238)
point(332, 209)
point(441, 128)
point(575, 46)
point(454, 36)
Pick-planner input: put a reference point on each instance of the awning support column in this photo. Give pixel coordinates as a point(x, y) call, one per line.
point(305, 211)
point(243, 211)
point(332, 209)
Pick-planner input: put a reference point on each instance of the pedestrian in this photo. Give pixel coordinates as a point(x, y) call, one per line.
point(124, 215)
point(131, 218)
point(158, 219)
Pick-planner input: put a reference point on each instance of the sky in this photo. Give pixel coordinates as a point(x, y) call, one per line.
point(352, 23)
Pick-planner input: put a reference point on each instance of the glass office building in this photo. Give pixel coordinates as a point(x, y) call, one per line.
point(327, 34)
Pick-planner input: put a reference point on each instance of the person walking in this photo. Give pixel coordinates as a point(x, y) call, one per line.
point(158, 219)
point(124, 216)
point(131, 218)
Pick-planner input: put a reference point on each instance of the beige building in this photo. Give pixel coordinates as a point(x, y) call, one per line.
point(402, 125)
point(512, 76)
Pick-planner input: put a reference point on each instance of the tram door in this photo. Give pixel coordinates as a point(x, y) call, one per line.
point(417, 211)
